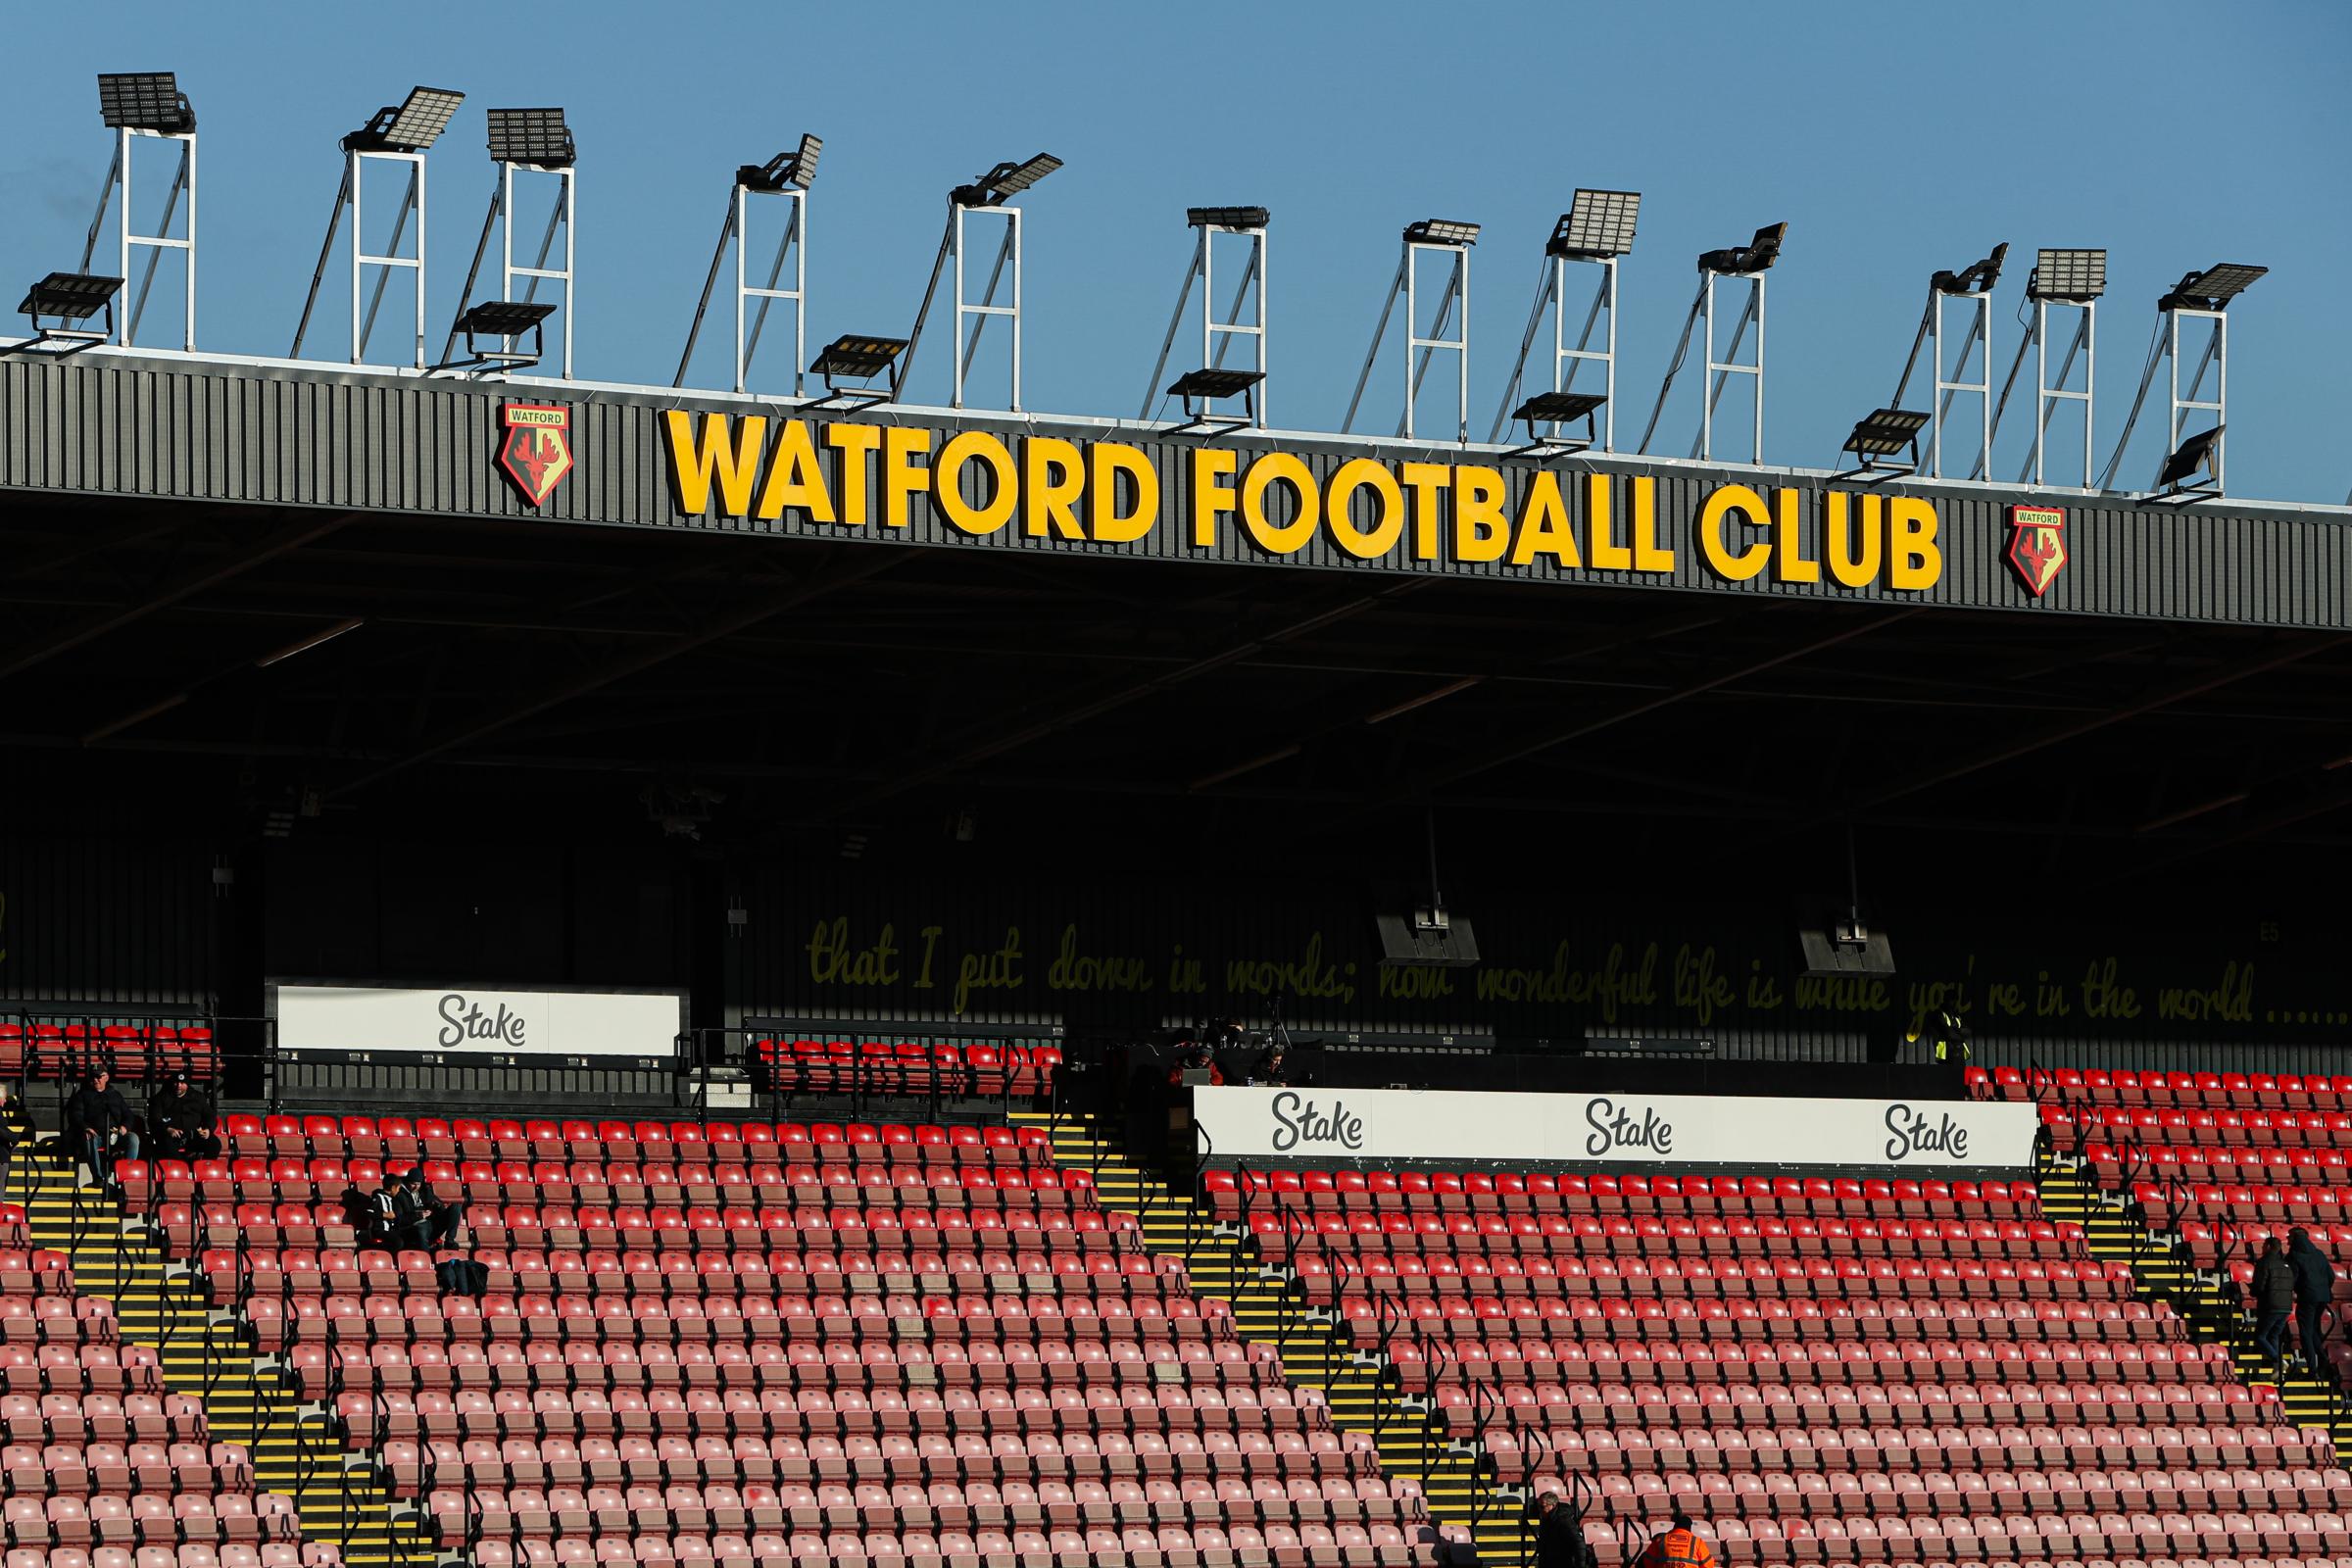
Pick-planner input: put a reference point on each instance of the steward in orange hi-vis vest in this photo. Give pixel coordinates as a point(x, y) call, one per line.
point(1678, 1547)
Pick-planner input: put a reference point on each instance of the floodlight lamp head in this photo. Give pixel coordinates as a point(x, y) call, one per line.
point(856, 356)
point(2211, 289)
point(538, 137)
point(791, 171)
point(410, 126)
point(1442, 231)
point(1745, 261)
point(1003, 181)
point(145, 100)
point(1887, 433)
point(2068, 276)
point(1977, 279)
point(1225, 217)
point(70, 296)
point(1598, 225)
point(2199, 451)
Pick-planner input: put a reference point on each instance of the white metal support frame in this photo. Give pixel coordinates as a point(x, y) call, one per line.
point(750, 322)
point(2216, 358)
point(412, 206)
point(563, 214)
point(1216, 336)
point(1947, 387)
point(951, 249)
point(117, 191)
point(1419, 350)
point(1551, 294)
point(1720, 371)
point(2050, 392)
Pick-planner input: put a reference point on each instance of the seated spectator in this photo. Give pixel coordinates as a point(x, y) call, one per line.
point(381, 1221)
point(427, 1222)
point(180, 1121)
point(1195, 1055)
point(99, 1127)
point(1272, 1066)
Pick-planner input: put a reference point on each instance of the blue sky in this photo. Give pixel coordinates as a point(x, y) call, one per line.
point(1893, 140)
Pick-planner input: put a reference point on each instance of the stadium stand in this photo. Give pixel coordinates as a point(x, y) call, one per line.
point(735, 1343)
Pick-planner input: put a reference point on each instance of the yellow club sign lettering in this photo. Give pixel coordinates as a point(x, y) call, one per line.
point(1272, 503)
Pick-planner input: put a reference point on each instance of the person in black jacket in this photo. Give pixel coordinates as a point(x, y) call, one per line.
point(1560, 1534)
point(426, 1220)
point(2315, 1288)
point(16, 1132)
point(98, 1126)
point(2274, 1301)
point(180, 1121)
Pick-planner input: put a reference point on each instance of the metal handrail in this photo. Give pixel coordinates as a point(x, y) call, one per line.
point(1344, 1272)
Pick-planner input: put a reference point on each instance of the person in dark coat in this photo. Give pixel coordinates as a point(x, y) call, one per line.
point(2274, 1301)
point(2315, 1288)
point(180, 1121)
point(1272, 1066)
point(426, 1220)
point(15, 1131)
point(1560, 1534)
point(98, 1125)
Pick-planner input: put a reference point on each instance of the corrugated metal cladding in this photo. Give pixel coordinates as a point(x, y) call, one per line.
point(274, 435)
point(939, 953)
point(103, 922)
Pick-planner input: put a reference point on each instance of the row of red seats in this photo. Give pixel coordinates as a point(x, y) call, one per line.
point(2213, 1091)
point(1758, 1278)
point(149, 1518)
point(115, 1369)
point(1906, 1404)
point(72, 1469)
point(1168, 1546)
point(2305, 1167)
point(650, 1228)
point(297, 1181)
point(830, 1444)
point(658, 1506)
point(131, 1053)
point(2318, 1129)
point(81, 1419)
point(621, 1143)
point(1478, 1190)
point(2027, 1490)
point(902, 1068)
point(661, 1276)
point(1791, 1449)
point(270, 1554)
point(738, 1369)
point(1558, 1235)
point(1601, 1360)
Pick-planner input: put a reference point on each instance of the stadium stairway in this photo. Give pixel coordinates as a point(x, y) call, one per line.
point(1413, 1440)
point(207, 1355)
point(2163, 1269)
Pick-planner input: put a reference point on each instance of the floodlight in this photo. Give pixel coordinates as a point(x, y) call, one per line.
point(145, 100)
point(854, 357)
point(1204, 385)
point(2074, 277)
point(1559, 407)
point(1225, 217)
point(1598, 223)
point(2212, 289)
point(1978, 278)
point(1004, 179)
point(70, 296)
point(1886, 434)
point(409, 128)
point(2197, 452)
point(503, 318)
point(1743, 261)
point(785, 170)
point(1441, 231)
point(535, 137)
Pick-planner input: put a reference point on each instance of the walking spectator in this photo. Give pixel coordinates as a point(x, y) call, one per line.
point(2274, 1301)
point(16, 1132)
point(2315, 1288)
point(98, 1126)
point(429, 1222)
point(180, 1121)
point(1560, 1534)
point(1681, 1546)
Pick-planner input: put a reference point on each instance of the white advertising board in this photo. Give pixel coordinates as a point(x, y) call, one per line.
point(452, 1023)
point(1568, 1130)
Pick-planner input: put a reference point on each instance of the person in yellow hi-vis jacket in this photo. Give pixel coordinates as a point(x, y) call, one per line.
point(1678, 1547)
